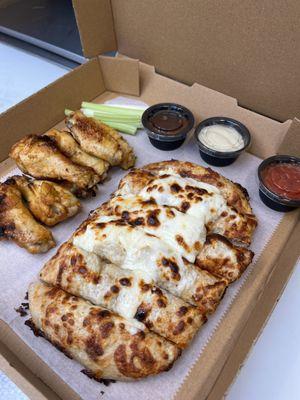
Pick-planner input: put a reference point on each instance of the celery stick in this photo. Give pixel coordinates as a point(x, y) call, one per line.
point(127, 119)
point(68, 112)
point(130, 129)
point(111, 121)
point(113, 109)
point(123, 127)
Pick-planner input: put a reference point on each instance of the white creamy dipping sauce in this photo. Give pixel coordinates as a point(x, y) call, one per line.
point(221, 138)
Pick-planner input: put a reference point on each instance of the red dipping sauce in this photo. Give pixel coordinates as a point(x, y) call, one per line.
point(283, 179)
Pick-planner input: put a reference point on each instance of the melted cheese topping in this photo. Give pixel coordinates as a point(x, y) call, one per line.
point(200, 200)
point(184, 233)
point(179, 208)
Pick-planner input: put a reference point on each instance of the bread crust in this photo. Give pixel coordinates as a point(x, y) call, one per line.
point(109, 346)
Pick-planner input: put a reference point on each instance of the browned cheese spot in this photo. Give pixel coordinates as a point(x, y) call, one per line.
point(144, 286)
point(161, 303)
point(150, 201)
point(170, 213)
point(125, 281)
point(152, 218)
point(50, 310)
point(179, 328)
point(125, 215)
point(175, 188)
point(137, 221)
point(115, 289)
point(82, 270)
point(126, 362)
point(169, 263)
point(106, 329)
point(185, 205)
point(196, 190)
point(93, 348)
point(141, 313)
point(101, 225)
point(181, 242)
point(61, 268)
point(182, 311)
point(104, 314)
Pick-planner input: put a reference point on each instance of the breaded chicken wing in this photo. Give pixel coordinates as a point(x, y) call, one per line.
point(49, 202)
point(17, 223)
point(67, 145)
point(39, 157)
point(100, 140)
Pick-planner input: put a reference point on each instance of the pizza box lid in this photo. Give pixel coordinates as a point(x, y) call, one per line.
point(247, 50)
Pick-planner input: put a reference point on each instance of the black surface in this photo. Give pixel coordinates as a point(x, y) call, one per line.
point(273, 204)
point(52, 21)
point(271, 199)
point(38, 51)
point(217, 161)
point(159, 144)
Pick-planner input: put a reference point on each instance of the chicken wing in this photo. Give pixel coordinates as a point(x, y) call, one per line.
point(100, 140)
point(17, 223)
point(67, 145)
point(128, 158)
point(49, 202)
point(39, 157)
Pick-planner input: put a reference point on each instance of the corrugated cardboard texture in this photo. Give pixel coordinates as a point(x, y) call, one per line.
point(246, 49)
point(32, 386)
point(204, 374)
point(95, 23)
point(36, 365)
point(121, 75)
point(46, 107)
point(256, 322)
point(291, 141)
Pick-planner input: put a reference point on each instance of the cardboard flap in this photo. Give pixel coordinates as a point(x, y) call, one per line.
point(120, 74)
point(291, 142)
point(45, 108)
point(246, 49)
point(95, 23)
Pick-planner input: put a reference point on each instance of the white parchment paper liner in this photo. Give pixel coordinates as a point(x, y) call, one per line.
point(19, 268)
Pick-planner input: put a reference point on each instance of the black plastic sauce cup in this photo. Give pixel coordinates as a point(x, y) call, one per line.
point(167, 125)
point(269, 198)
point(221, 158)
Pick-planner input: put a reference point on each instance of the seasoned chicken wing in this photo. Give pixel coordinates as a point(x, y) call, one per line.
point(100, 140)
point(49, 202)
point(67, 145)
point(17, 223)
point(39, 157)
point(128, 158)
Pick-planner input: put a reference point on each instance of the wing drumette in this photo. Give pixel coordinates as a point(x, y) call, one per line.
point(100, 140)
point(49, 202)
point(39, 157)
point(17, 223)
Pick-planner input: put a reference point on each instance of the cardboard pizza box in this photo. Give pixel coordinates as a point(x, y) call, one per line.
point(214, 60)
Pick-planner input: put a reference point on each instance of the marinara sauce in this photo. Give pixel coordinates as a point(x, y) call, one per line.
point(283, 179)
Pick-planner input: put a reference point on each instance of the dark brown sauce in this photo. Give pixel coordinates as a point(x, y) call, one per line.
point(168, 122)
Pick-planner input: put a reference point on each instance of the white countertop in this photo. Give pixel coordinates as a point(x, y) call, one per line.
point(272, 369)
